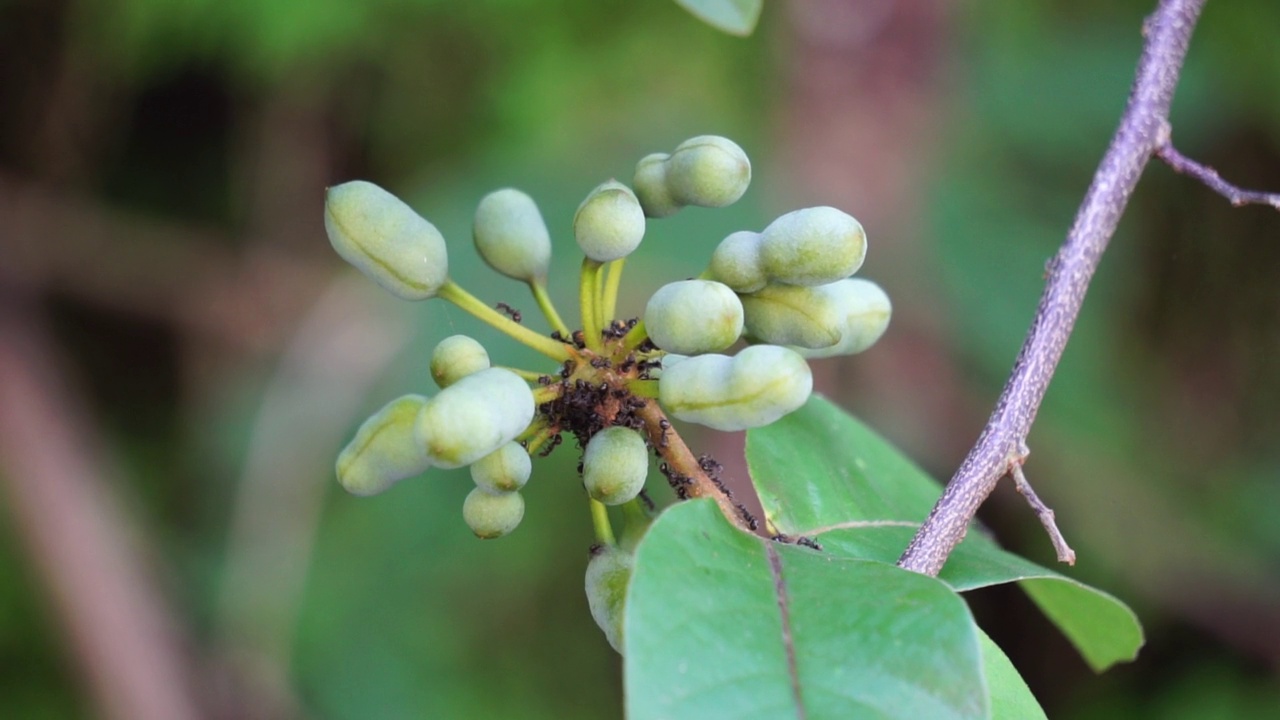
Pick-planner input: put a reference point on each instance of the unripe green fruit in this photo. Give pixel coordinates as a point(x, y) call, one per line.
point(813, 246)
point(752, 389)
point(456, 357)
point(665, 361)
point(492, 515)
point(386, 240)
point(511, 235)
point(614, 465)
point(608, 575)
point(384, 450)
point(865, 309)
point(506, 469)
point(609, 224)
point(709, 171)
point(473, 417)
point(793, 315)
point(693, 316)
point(736, 262)
point(650, 182)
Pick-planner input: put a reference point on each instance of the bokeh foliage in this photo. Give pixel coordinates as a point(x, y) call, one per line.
point(1156, 444)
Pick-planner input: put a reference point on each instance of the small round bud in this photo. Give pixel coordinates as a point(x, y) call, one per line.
point(866, 311)
point(708, 171)
point(608, 575)
point(736, 262)
point(752, 389)
point(693, 316)
point(609, 224)
point(650, 182)
point(814, 246)
point(473, 417)
point(614, 465)
point(511, 235)
point(456, 357)
point(384, 450)
point(386, 240)
point(792, 315)
point(492, 515)
point(506, 469)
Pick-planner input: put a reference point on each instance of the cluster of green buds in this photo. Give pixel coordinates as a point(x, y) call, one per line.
point(617, 382)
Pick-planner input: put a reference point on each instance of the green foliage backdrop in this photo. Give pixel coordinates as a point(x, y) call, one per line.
point(1156, 445)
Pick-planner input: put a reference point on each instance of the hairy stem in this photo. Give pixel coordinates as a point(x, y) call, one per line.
point(1142, 127)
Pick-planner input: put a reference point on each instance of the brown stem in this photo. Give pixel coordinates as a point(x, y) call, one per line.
point(1141, 130)
point(686, 474)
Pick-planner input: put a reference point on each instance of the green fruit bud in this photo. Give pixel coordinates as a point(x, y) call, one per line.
point(473, 417)
point(608, 575)
point(866, 311)
point(650, 182)
point(492, 515)
point(609, 224)
point(614, 465)
point(384, 450)
point(506, 469)
point(693, 316)
point(813, 246)
point(383, 237)
point(456, 357)
point(736, 262)
point(793, 315)
point(665, 361)
point(709, 171)
point(752, 389)
point(511, 235)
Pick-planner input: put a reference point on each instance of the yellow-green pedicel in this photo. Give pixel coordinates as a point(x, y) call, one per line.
point(608, 574)
point(386, 240)
point(614, 465)
point(384, 450)
point(751, 389)
point(473, 417)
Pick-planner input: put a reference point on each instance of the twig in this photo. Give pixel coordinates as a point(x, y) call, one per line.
point(1237, 196)
point(1168, 33)
point(1044, 512)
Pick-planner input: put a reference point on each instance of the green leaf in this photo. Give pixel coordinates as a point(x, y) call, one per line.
point(821, 473)
point(722, 624)
point(736, 17)
point(1011, 699)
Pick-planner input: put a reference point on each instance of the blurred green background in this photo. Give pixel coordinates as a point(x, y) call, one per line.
point(182, 355)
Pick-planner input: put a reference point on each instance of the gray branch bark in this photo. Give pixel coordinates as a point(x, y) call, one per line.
point(1141, 132)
